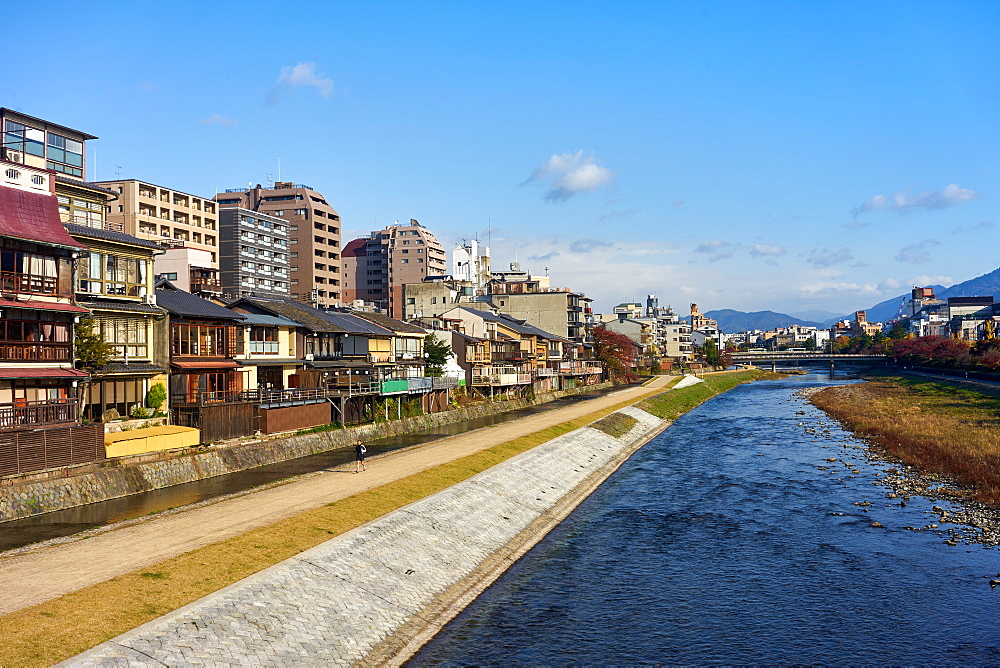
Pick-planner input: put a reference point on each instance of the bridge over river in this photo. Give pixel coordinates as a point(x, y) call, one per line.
point(774, 358)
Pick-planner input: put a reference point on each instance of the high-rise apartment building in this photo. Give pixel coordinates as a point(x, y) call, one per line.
point(253, 254)
point(314, 236)
point(393, 257)
point(165, 216)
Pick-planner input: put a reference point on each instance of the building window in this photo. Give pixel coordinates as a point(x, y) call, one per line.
point(405, 261)
point(28, 272)
point(104, 273)
point(126, 335)
point(31, 341)
point(170, 276)
point(202, 340)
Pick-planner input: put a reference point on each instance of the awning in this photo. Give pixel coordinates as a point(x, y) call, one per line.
point(42, 306)
point(220, 364)
point(13, 372)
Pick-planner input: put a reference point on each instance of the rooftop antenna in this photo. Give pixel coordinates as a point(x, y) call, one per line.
point(118, 172)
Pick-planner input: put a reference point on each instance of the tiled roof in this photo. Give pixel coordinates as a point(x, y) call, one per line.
point(389, 323)
point(18, 372)
point(270, 320)
point(519, 326)
point(110, 235)
point(355, 325)
point(110, 305)
point(132, 367)
point(306, 316)
point(181, 303)
point(84, 184)
point(33, 217)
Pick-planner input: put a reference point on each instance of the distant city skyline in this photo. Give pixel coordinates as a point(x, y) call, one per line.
point(756, 156)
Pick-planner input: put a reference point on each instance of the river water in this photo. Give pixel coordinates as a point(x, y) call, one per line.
point(730, 539)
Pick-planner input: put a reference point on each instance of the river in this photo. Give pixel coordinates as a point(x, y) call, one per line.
point(730, 539)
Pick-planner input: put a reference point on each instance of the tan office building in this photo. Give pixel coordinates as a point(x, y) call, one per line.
point(314, 236)
point(382, 263)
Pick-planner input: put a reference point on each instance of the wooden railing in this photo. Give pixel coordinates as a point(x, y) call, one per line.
point(39, 285)
point(35, 413)
point(35, 351)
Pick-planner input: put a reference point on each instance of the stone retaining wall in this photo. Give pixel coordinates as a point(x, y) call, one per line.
point(118, 478)
point(375, 594)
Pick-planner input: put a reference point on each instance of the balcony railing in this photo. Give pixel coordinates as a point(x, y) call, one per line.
point(36, 413)
point(39, 285)
point(35, 351)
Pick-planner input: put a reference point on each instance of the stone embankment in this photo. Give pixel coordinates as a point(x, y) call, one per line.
point(143, 473)
point(376, 594)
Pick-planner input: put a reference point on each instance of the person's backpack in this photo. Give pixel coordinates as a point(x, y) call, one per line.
point(363, 449)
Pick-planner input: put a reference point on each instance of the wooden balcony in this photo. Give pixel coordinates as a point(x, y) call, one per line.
point(22, 414)
point(34, 351)
point(39, 285)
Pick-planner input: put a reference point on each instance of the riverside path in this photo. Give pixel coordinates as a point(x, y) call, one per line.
point(33, 576)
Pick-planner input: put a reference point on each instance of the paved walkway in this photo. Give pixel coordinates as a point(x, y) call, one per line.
point(30, 578)
point(338, 602)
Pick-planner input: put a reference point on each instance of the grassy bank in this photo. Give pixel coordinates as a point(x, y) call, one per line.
point(935, 425)
point(61, 628)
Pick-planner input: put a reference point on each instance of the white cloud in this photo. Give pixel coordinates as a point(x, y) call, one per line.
point(301, 74)
point(569, 174)
point(889, 284)
point(218, 119)
point(588, 245)
point(764, 250)
point(611, 215)
point(827, 258)
point(855, 224)
point(985, 225)
point(925, 279)
point(950, 195)
point(917, 253)
point(827, 288)
point(716, 249)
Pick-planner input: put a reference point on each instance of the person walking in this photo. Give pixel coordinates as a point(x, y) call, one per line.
point(359, 457)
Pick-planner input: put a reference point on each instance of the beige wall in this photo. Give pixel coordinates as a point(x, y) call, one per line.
point(157, 214)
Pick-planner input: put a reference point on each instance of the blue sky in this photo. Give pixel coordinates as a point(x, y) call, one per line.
point(748, 155)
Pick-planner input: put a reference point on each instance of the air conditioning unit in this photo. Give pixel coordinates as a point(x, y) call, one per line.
point(310, 357)
point(149, 299)
point(13, 156)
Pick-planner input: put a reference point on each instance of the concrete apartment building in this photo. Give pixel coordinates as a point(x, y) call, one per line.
point(165, 216)
point(314, 236)
point(253, 254)
point(398, 255)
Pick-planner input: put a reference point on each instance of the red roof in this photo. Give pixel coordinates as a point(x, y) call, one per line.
point(33, 216)
point(42, 306)
point(8, 372)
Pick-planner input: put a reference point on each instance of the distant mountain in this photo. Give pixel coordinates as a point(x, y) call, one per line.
point(816, 315)
point(738, 321)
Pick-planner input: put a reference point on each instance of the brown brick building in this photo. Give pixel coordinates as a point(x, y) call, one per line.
point(314, 236)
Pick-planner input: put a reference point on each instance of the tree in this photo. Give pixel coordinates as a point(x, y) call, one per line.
point(616, 352)
point(710, 352)
point(90, 350)
point(436, 354)
point(156, 396)
point(897, 332)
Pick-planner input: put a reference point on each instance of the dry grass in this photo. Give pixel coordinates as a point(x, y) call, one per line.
point(616, 424)
point(934, 425)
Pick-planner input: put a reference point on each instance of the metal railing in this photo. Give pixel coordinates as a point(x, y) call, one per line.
point(35, 413)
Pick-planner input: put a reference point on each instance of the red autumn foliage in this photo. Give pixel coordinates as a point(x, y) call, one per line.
point(617, 352)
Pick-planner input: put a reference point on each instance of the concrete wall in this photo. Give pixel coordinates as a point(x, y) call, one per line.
point(122, 478)
point(374, 595)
